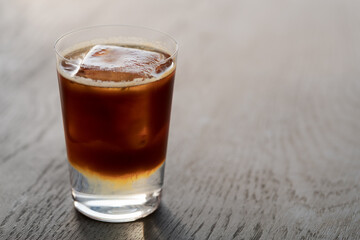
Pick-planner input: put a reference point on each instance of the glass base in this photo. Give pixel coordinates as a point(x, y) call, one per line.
point(124, 208)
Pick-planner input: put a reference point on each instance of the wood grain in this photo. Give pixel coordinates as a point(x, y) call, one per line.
point(265, 132)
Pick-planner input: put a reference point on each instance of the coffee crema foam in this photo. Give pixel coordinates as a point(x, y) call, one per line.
point(70, 64)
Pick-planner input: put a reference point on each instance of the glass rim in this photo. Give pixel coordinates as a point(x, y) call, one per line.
point(76, 30)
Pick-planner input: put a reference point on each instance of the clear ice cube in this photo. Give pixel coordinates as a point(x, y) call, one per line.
point(116, 63)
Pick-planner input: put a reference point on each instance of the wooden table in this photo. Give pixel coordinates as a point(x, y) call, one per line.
point(265, 132)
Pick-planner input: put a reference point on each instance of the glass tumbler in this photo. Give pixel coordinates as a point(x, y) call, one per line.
point(116, 84)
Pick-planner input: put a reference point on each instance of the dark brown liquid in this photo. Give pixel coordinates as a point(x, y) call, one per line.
point(116, 131)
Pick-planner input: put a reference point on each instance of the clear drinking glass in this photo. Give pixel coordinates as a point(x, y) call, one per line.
point(116, 86)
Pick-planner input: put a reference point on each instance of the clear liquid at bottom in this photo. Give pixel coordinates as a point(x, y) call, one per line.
point(105, 201)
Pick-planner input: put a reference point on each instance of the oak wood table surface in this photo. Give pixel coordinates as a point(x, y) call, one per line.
point(265, 132)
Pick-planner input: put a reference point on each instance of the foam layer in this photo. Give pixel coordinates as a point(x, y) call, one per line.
point(69, 65)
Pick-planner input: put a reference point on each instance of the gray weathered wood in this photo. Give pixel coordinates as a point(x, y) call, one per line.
point(265, 132)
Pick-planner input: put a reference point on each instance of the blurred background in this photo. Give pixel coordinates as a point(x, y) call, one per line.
point(267, 92)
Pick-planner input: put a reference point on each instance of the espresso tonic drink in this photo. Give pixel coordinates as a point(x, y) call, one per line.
point(116, 96)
